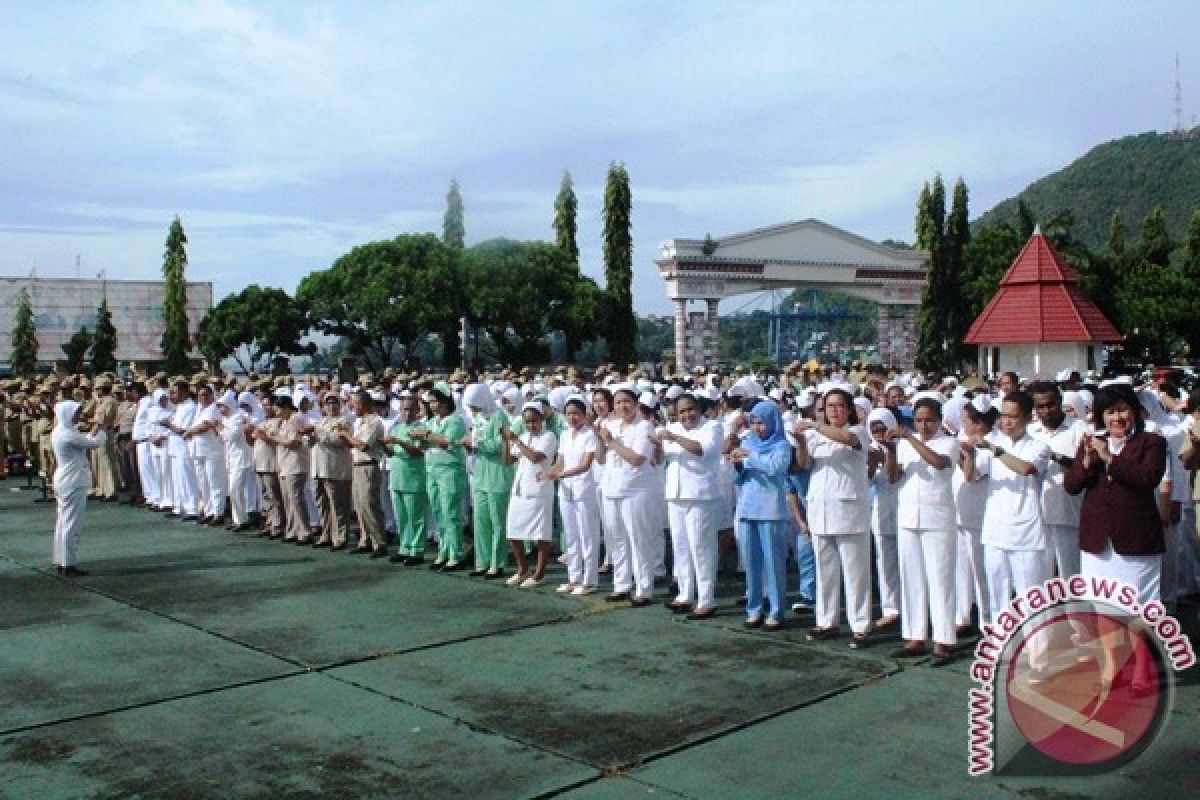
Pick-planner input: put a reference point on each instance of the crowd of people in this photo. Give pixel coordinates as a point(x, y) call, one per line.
point(939, 498)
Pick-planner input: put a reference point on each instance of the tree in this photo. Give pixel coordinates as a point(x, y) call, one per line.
point(1191, 259)
point(958, 235)
point(1155, 245)
point(76, 350)
point(1025, 221)
point(254, 327)
point(454, 227)
point(618, 264)
point(934, 350)
point(24, 338)
point(104, 340)
point(383, 296)
point(517, 319)
point(176, 342)
point(565, 207)
point(987, 257)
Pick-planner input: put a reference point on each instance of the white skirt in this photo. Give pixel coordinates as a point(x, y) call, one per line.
point(531, 519)
point(1143, 572)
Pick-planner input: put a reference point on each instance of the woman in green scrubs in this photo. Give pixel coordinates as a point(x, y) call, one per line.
point(445, 473)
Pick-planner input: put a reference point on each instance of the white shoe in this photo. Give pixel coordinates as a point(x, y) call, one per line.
point(562, 559)
point(515, 579)
point(582, 590)
point(565, 588)
point(530, 583)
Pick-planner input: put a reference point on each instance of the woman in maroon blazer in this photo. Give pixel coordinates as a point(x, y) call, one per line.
point(1119, 469)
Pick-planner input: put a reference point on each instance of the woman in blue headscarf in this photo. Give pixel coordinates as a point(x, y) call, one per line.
point(761, 463)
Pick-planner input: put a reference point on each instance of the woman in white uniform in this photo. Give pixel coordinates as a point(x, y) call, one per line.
point(531, 507)
point(884, 473)
point(239, 460)
point(970, 500)
point(578, 500)
point(927, 538)
point(838, 506)
point(627, 453)
point(692, 447)
point(72, 479)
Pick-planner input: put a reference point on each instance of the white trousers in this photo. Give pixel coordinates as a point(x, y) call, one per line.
point(1016, 570)
point(605, 531)
point(316, 521)
point(1063, 540)
point(970, 584)
point(843, 559)
point(213, 480)
point(632, 521)
point(887, 570)
point(927, 559)
point(166, 483)
point(183, 484)
point(148, 473)
point(581, 532)
point(68, 525)
point(241, 482)
point(694, 550)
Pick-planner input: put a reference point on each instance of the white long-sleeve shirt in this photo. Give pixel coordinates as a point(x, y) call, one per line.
point(70, 449)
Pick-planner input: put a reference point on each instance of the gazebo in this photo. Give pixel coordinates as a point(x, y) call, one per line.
point(1040, 322)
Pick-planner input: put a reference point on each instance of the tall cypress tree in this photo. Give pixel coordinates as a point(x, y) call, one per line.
point(1191, 263)
point(454, 226)
point(24, 339)
point(76, 350)
point(565, 206)
point(104, 340)
point(958, 235)
point(1155, 245)
point(618, 264)
point(1025, 222)
point(176, 343)
point(933, 342)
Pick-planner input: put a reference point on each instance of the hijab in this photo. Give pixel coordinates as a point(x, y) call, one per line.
point(64, 413)
point(882, 415)
point(768, 412)
point(477, 395)
point(253, 407)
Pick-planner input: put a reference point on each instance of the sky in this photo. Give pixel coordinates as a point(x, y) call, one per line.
point(286, 133)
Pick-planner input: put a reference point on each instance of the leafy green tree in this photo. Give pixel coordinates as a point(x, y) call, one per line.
point(454, 226)
point(384, 296)
point(254, 327)
point(987, 257)
point(935, 345)
point(1156, 310)
point(521, 292)
point(76, 350)
point(958, 235)
point(104, 340)
point(1116, 236)
point(565, 208)
point(1155, 245)
point(176, 342)
point(24, 338)
point(1025, 222)
point(1191, 260)
point(618, 264)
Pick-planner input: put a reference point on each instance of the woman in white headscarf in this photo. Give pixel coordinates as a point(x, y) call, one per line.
point(883, 471)
point(159, 415)
point(239, 459)
point(493, 479)
point(72, 479)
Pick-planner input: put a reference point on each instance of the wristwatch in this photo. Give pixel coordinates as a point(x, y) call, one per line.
point(997, 451)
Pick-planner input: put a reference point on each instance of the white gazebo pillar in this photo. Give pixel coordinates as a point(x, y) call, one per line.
point(681, 336)
point(711, 350)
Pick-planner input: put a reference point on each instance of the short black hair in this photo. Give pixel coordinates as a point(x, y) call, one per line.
point(930, 403)
point(1045, 387)
point(1023, 399)
point(1114, 394)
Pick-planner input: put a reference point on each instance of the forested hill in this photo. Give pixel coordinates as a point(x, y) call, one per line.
point(1131, 175)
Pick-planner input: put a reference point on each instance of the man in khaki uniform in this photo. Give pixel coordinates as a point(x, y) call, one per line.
point(4, 418)
point(127, 408)
point(266, 467)
point(333, 467)
point(292, 454)
point(41, 429)
point(367, 442)
point(104, 417)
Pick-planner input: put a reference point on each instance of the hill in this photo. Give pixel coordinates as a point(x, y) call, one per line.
point(1133, 175)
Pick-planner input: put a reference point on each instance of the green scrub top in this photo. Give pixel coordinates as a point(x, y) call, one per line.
point(491, 474)
point(405, 473)
point(452, 457)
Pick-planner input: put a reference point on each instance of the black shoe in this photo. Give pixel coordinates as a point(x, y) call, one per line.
point(380, 552)
point(640, 602)
point(320, 545)
point(452, 567)
point(190, 518)
point(678, 608)
point(941, 659)
point(414, 561)
point(477, 573)
point(617, 597)
point(341, 546)
point(74, 572)
point(709, 614)
point(398, 559)
point(170, 515)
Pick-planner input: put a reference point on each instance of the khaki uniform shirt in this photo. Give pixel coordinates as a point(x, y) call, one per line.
point(332, 458)
point(293, 460)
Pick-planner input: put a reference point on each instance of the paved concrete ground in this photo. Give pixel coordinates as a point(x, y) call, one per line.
point(195, 663)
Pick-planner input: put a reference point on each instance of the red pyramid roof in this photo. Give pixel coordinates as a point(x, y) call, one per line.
point(1039, 300)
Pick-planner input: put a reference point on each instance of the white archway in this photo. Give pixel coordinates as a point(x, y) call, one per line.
point(807, 254)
